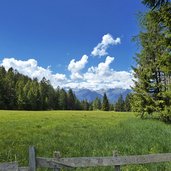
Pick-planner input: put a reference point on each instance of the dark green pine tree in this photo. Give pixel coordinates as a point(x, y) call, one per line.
point(97, 104)
point(120, 104)
point(21, 96)
point(10, 96)
point(21, 92)
point(85, 105)
point(46, 92)
point(2, 88)
point(112, 107)
point(71, 100)
point(78, 105)
point(153, 71)
point(56, 102)
point(128, 103)
point(62, 99)
point(51, 97)
point(33, 95)
point(105, 103)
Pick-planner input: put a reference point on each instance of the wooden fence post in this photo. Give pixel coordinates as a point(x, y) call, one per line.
point(117, 167)
point(32, 159)
point(57, 156)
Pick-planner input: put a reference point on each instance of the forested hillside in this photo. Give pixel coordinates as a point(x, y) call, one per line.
point(20, 92)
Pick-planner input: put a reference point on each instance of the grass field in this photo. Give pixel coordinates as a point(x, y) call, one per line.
point(82, 133)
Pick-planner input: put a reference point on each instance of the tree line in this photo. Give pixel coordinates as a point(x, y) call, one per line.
point(152, 90)
point(121, 105)
point(19, 92)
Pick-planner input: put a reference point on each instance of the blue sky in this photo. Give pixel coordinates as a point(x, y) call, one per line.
point(47, 35)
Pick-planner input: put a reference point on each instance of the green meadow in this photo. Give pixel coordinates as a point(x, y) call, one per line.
point(82, 134)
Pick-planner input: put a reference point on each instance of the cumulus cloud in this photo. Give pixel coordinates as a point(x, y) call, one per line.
point(107, 40)
point(97, 77)
point(30, 68)
point(102, 69)
point(76, 66)
point(103, 76)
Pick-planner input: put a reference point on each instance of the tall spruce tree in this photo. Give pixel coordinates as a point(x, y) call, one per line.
point(120, 104)
point(128, 103)
point(71, 100)
point(63, 99)
point(153, 71)
point(2, 87)
point(96, 104)
point(105, 103)
point(85, 105)
point(10, 93)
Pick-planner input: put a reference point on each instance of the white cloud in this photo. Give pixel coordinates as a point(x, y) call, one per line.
point(76, 66)
point(31, 69)
point(104, 77)
point(97, 77)
point(100, 49)
point(102, 69)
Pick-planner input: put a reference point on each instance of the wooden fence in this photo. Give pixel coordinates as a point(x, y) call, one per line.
point(57, 163)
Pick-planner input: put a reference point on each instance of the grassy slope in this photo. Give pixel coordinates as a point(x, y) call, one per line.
point(82, 133)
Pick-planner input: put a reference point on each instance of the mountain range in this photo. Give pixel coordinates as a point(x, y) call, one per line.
point(112, 94)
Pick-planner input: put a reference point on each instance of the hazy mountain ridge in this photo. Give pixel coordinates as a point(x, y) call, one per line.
point(86, 94)
point(112, 94)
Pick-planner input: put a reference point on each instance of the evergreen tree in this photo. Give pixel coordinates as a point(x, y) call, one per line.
point(21, 92)
point(21, 97)
point(153, 71)
point(10, 93)
point(78, 105)
point(96, 104)
point(2, 88)
point(128, 103)
point(27, 94)
point(56, 102)
point(120, 104)
point(34, 96)
point(85, 105)
point(105, 103)
point(62, 99)
point(51, 98)
point(111, 107)
point(71, 100)
point(45, 92)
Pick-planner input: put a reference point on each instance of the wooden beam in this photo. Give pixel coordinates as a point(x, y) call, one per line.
point(23, 169)
point(13, 166)
point(103, 161)
point(50, 163)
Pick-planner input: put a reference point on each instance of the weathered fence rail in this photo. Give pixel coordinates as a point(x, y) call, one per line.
point(9, 166)
point(12, 166)
point(57, 162)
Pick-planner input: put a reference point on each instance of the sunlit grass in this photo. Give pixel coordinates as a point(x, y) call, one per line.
point(82, 133)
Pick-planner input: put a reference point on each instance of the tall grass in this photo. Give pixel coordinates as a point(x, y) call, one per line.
point(82, 133)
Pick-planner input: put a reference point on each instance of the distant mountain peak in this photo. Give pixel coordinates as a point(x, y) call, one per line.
point(90, 95)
